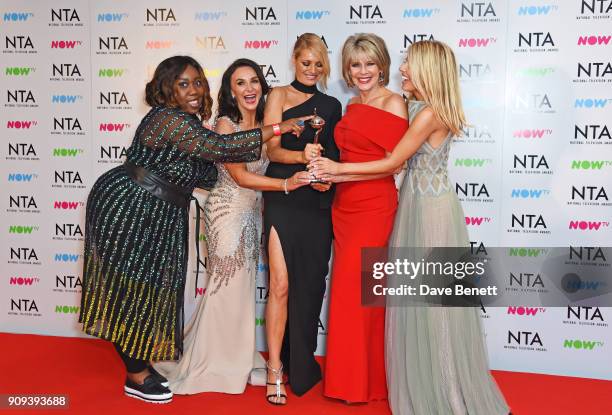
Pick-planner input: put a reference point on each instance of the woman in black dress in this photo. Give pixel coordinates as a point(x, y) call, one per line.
point(298, 224)
point(137, 223)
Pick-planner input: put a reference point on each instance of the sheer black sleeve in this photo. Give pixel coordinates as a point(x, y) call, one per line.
point(171, 126)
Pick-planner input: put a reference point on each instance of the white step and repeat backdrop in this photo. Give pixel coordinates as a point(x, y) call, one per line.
point(533, 169)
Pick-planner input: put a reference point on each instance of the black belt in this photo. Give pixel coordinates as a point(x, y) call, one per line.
point(178, 195)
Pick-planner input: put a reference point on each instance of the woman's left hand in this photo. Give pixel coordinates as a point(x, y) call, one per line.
point(321, 187)
point(322, 166)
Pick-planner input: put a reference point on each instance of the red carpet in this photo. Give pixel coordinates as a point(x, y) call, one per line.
point(90, 373)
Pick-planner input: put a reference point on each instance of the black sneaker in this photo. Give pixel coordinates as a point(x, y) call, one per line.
point(149, 391)
point(158, 377)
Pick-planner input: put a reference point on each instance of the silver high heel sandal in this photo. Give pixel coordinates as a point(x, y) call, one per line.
point(278, 373)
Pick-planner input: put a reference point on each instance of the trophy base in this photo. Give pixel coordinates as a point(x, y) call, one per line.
point(318, 181)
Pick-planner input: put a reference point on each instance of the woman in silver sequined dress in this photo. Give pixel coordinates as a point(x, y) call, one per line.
point(436, 359)
point(219, 341)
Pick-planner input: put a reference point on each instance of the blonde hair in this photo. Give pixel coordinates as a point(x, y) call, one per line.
point(370, 45)
point(312, 42)
point(433, 71)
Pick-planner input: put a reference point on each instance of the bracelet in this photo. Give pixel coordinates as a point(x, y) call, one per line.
point(276, 129)
point(285, 186)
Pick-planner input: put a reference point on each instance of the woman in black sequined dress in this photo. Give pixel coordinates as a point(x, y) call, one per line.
point(137, 223)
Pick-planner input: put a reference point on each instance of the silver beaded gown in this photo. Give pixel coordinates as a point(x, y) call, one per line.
point(436, 360)
point(219, 346)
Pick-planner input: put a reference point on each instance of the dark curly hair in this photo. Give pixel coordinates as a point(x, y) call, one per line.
point(227, 105)
point(158, 91)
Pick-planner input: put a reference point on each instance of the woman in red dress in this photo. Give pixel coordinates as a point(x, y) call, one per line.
point(362, 215)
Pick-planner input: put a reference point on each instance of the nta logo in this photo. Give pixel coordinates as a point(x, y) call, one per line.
point(160, 15)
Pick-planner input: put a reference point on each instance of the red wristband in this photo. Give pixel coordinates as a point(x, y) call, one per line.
point(276, 129)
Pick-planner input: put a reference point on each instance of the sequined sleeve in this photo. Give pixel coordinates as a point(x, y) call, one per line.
point(170, 125)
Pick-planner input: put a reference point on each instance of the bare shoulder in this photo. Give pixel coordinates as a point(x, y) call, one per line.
point(278, 92)
point(427, 117)
point(395, 104)
point(354, 100)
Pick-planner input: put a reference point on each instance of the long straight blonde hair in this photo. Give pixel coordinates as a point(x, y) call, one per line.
point(433, 71)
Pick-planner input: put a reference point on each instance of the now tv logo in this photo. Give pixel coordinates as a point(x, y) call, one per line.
point(311, 14)
point(584, 225)
point(535, 71)
point(529, 193)
point(23, 280)
point(65, 99)
point(65, 205)
point(111, 72)
point(528, 252)
point(591, 102)
point(525, 311)
point(532, 133)
point(17, 16)
point(539, 10)
point(111, 17)
point(19, 70)
point(65, 44)
point(582, 344)
point(67, 309)
point(260, 44)
point(209, 16)
point(590, 164)
point(21, 124)
point(476, 220)
point(159, 44)
point(419, 12)
point(22, 229)
point(476, 42)
point(67, 152)
point(594, 40)
point(22, 177)
point(67, 257)
point(113, 127)
point(471, 162)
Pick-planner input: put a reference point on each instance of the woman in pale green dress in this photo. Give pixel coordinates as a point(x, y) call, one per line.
point(436, 359)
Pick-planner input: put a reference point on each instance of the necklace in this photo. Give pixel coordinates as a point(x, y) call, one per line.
point(306, 89)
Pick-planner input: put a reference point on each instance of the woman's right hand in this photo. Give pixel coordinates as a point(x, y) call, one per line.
point(299, 179)
point(311, 151)
point(294, 125)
